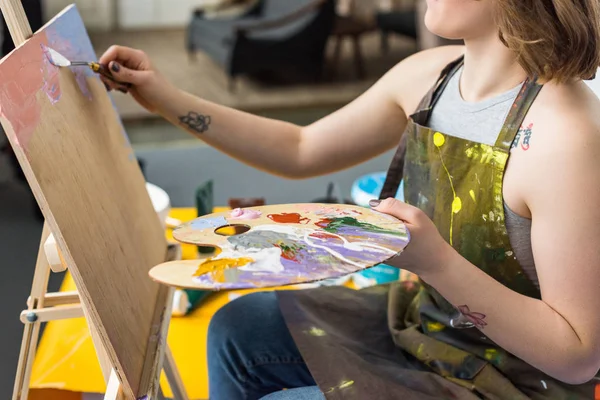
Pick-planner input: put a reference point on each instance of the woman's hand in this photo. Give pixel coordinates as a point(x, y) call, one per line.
point(133, 66)
point(427, 252)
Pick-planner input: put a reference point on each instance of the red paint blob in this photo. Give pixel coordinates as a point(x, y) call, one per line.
point(288, 254)
point(323, 222)
point(323, 235)
point(288, 218)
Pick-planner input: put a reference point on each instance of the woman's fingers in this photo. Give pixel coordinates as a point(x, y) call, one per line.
point(112, 85)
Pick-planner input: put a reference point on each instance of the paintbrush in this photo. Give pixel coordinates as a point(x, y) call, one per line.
point(59, 60)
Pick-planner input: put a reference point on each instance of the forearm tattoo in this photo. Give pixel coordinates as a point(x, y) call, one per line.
point(196, 122)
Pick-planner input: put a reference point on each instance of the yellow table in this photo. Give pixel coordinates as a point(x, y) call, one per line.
point(66, 364)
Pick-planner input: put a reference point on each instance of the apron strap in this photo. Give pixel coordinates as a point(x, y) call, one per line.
point(396, 169)
point(518, 111)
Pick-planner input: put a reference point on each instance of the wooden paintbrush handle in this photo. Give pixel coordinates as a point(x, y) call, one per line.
point(103, 70)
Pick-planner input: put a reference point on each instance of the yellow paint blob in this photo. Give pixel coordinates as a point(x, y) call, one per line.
point(438, 139)
point(435, 327)
point(346, 384)
point(221, 264)
point(472, 193)
point(456, 205)
point(343, 385)
point(491, 354)
point(314, 331)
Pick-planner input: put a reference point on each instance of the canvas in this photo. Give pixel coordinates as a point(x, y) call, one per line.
point(71, 145)
point(280, 245)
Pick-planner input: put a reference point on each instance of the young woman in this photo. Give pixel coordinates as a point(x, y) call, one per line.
point(499, 144)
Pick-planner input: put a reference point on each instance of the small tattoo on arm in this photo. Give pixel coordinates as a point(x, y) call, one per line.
point(468, 319)
point(525, 133)
point(196, 122)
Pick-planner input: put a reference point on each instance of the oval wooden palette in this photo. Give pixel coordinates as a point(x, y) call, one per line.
point(279, 245)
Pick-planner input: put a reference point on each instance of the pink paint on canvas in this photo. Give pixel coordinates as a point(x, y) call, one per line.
point(27, 72)
point(21, 78)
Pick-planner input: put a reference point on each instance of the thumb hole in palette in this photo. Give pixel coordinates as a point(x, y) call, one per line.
point(232, 229)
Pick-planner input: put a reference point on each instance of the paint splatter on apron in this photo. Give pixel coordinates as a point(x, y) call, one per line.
point(404, 340)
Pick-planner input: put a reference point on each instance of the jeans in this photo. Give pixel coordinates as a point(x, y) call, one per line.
point(251, 353)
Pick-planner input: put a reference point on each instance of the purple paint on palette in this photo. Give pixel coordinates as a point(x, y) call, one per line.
point(203, 223)
point(305, 252)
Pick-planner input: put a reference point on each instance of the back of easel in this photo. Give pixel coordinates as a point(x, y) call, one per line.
point(72, 147)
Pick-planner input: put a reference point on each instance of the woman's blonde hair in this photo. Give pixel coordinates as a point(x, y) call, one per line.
point(556, 40)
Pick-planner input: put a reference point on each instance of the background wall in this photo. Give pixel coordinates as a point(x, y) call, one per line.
point(97, 14)
point(104, 15)
point(155, 13)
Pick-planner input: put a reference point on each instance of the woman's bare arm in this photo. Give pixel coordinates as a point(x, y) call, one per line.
point(365, 128)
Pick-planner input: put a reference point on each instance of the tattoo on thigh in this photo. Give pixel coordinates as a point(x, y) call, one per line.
point(525, 134)
point(196, 122)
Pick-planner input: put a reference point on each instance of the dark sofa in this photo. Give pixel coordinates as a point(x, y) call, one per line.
point(277, 40)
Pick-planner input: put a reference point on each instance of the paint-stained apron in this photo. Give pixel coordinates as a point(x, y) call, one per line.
point(404, 340)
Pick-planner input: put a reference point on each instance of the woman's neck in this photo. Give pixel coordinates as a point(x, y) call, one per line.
point(489, 69)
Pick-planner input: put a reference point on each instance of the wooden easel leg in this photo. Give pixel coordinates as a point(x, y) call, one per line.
point(31, 330)
point(113, 385)
point(113, 388)
point(173, 377)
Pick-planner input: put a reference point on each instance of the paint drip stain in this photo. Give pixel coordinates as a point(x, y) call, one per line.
point(456, 205)
point(318, 332)
point(218, 265)
point(492, 355)
point(435, 327)
point(288, 218)
point(343, 385)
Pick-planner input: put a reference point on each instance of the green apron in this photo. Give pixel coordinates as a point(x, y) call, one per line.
point(404, 340)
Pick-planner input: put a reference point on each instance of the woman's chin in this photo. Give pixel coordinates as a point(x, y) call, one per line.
point(445, 33)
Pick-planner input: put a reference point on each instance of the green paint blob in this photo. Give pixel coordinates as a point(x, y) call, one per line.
point(336, 223)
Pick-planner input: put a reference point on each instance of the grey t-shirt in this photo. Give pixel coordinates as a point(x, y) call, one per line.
point(481, 122)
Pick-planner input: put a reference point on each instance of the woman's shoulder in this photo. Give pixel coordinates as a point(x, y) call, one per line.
point(556, 151)
point(414, 76)
point(569, 113)
point(563, 141)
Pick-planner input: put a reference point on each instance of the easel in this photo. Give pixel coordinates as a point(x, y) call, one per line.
point(128, 371)
point(45, 307)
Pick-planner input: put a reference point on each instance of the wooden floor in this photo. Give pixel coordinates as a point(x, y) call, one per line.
point(204, 78)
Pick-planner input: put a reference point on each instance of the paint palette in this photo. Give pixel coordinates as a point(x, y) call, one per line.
point(281, 245)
